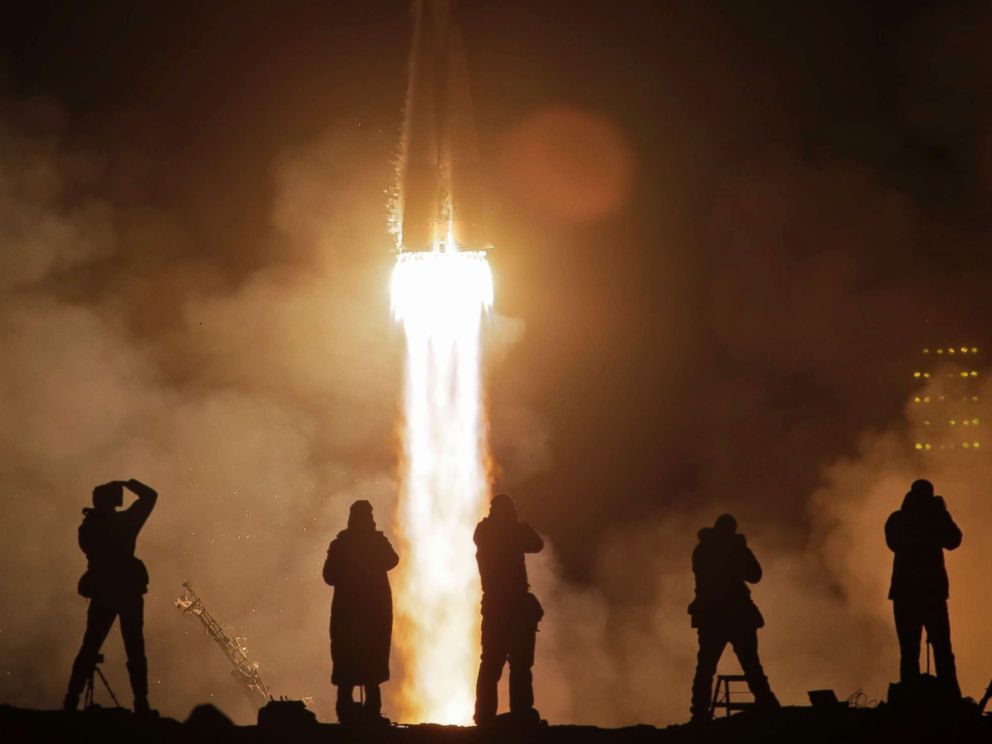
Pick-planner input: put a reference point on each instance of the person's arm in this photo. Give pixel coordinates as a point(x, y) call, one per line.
point(86, 541)
point(331, 564)
point(530, 541)
point(894, 534)
point(140, 510)
point(389, 558)
point(750, 569)
point(950, 533)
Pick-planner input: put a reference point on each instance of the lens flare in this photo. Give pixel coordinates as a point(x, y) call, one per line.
point(440, 298)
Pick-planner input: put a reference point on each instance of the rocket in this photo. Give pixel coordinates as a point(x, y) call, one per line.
point(439, 198)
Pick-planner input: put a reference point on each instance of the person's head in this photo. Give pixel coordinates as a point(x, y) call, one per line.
point(725, 524)
point(360, 516)
point(920, 494)
point(502, 507)
point(108, 496)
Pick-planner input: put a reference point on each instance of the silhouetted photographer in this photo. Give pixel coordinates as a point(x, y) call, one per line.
point(723, 612)
point(510, 613)
point(918, 534)
point(115, 582)
point(358, 560)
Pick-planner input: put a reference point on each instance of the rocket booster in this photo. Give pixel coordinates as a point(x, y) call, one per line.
point(440, 191)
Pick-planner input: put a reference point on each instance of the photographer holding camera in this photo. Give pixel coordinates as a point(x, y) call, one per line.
point(723, 612)
point(918, 534)
point(115, 582)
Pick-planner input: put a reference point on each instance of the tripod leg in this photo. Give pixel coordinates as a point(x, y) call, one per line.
point(105, 684)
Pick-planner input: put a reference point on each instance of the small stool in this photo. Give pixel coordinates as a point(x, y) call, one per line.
point(722, 698)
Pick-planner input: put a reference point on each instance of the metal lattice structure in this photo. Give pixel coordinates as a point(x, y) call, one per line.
point(245, 671)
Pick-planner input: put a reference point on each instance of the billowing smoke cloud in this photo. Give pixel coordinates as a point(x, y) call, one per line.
point(809, 324)
point(259, 412)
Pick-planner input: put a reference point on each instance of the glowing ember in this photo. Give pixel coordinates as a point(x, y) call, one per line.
point(440, 297)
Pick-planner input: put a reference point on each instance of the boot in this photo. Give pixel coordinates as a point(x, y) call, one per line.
point(71, 702)
point(764, 698)
point(142, 708)
point(137, 671)
point(81, 669)
point(702, 700)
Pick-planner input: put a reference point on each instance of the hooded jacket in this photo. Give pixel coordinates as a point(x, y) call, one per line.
point(362, 608)
point(919, 533)
point(723, 565)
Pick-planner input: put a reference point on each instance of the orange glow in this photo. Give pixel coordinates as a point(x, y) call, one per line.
point(574, 165)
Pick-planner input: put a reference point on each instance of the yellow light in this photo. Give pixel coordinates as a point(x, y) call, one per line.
point(976, 445)
point(927, 375)
point(926, 351)
point(974, 349)
point(926, 423)
point(964, 349)
point(926, 398)
point(974, 373)
point(919, 445)
point(952, 422)
point(916, 374)
point(917, 399)
point(951, 350)
point(964, 374)
point(975, 421)
point(966, 445)
point(940, 351)
point(927, 446)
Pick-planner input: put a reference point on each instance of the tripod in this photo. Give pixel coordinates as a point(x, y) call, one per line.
point(90, 687)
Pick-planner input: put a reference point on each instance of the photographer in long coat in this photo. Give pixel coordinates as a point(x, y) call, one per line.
point(361, 613)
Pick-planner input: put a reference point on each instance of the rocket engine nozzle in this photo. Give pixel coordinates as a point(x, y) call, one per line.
point(440, 186)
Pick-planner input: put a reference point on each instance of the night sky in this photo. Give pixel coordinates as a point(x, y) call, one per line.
point(723, 232)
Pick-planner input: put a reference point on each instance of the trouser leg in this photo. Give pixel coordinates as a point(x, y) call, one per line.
point(494, 655)
point(521, 677)
point(711, 645)
point(746, 648)
point(345, 701)
point(100, 618)
point(486, 694)
point(938, 627)
point(132, 612)
point(909, 626)
point(373, 700)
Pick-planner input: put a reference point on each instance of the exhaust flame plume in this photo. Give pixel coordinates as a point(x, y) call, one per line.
point(440, 297)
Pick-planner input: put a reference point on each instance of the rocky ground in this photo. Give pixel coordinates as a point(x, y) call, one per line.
point(294, 724)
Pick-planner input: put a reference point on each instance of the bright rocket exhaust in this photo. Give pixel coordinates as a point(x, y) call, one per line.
point(441, 288)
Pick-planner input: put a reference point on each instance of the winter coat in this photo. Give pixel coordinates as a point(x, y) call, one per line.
point(108, 539)
point(722, 563)
point(362, 609)
point(918, 534)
